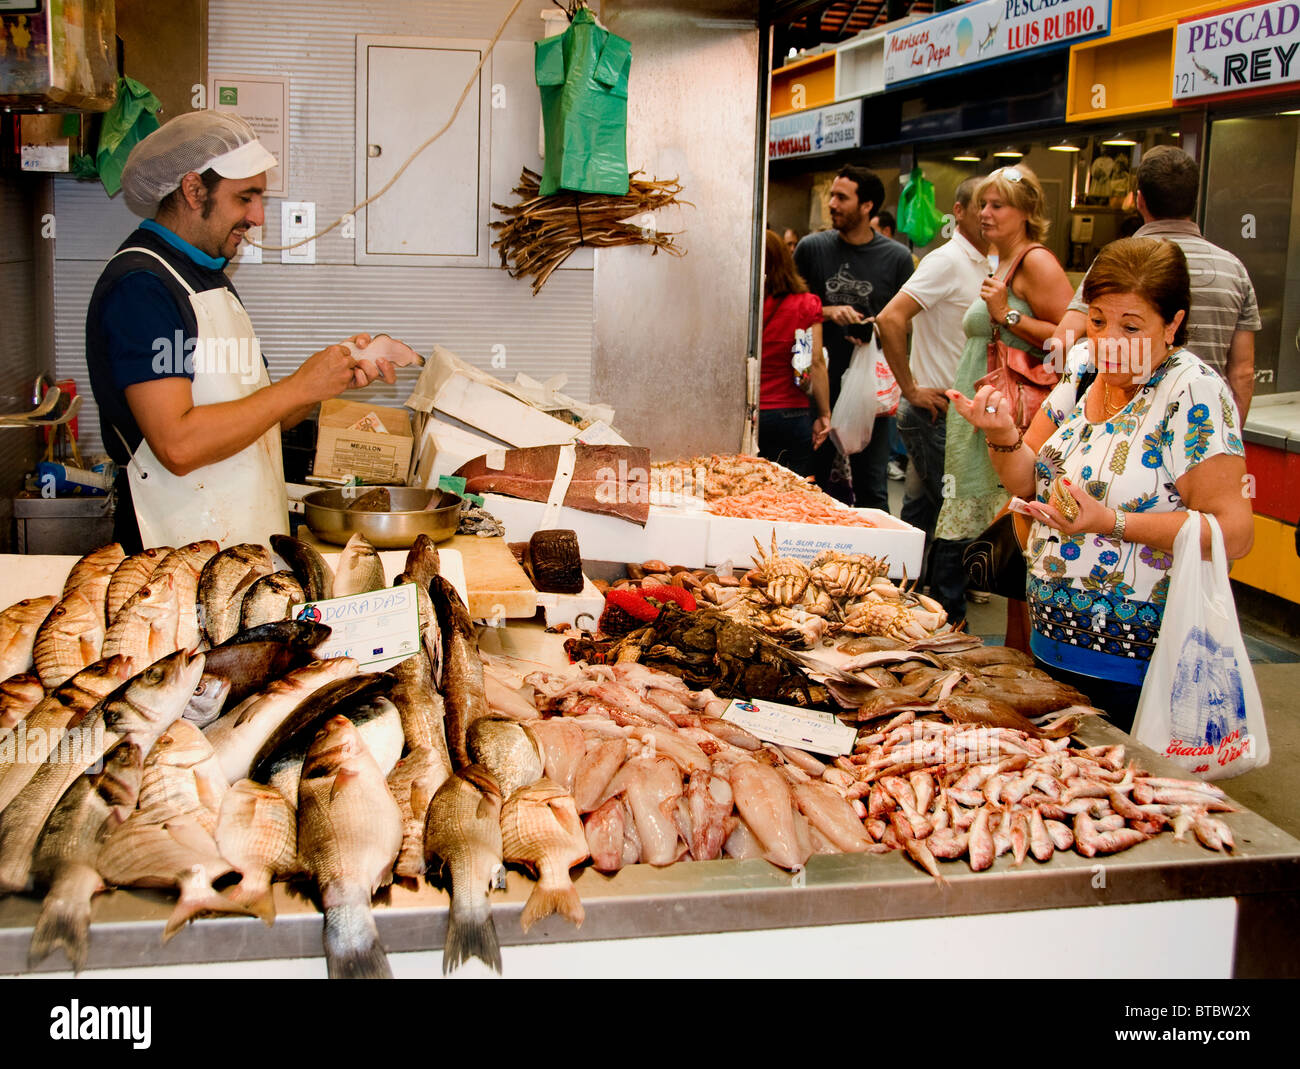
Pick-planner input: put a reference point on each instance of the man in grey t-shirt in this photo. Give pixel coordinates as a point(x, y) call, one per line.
point(1224, 315)
point(855, 272)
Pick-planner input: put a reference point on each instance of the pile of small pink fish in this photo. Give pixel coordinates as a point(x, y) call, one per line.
point(943, 790)
point(658, 777)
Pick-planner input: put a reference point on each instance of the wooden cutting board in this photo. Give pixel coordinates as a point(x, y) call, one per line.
point(498, 588)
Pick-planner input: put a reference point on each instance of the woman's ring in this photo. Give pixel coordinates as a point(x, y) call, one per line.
point(990, 409)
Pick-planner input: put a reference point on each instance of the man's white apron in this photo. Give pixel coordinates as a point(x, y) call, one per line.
point(242, 498)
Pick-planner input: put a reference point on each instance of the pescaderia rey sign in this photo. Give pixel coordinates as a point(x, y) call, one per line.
point(1252, 47)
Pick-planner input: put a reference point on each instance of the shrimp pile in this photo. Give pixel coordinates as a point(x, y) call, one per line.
point(797, 506)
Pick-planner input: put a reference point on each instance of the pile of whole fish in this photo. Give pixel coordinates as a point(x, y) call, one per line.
point(216, 772)
point(109, 780)
point(657, 777)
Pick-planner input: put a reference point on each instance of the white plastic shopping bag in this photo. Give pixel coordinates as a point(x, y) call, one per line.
point(1200, 706)
point(888, 392)
point(854, 414)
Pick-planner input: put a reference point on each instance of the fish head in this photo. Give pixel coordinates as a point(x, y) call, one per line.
point(182, 745)
point(118, 782)
point(74, 615)
point(208, 700)
point(31, 612)
point(155, 696)
point(482, 782)
point(335, 746)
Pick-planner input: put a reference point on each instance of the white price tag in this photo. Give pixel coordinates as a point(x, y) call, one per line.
point(788, 725)
point(379, 629)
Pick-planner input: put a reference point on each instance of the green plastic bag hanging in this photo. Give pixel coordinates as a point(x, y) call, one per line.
point(582, 75)
point(132, 118)
point(918, 218)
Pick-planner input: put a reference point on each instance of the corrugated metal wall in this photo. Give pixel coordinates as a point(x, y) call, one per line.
point(20, 340)
point(299, 309)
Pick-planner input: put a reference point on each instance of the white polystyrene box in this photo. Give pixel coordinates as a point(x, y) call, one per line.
point(672, 536)
point(732, 539)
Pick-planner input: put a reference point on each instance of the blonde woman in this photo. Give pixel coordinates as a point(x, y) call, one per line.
point(1013, 220)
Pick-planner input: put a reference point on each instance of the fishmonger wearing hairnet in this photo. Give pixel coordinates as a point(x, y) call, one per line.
point(186, 405)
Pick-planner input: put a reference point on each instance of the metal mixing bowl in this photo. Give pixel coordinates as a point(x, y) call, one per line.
point(330, 520)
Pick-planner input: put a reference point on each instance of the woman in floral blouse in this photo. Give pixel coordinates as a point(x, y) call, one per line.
point(1141, 436)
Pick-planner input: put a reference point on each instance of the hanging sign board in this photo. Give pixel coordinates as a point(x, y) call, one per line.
point(808, 133)
point(985, 31)
point(1255, 47)
point(263, 102)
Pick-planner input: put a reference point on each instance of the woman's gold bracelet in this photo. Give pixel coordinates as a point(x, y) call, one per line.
point(1020, 440)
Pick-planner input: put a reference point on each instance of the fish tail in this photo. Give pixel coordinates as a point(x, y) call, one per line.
point(471, 933)
point(545, 901)
point(64, 922)
point(257, 898)
point(352, 947)
point(198, 896)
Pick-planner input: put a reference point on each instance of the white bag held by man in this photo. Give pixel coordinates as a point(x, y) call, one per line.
point(1200, 706)
point(854, 414)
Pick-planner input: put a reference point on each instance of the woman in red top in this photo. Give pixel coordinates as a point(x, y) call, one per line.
point(787, 432)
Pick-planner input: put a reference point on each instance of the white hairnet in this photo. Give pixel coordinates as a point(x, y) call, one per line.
point(195, 141)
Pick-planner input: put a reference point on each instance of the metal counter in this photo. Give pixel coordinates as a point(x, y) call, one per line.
point(690, 898)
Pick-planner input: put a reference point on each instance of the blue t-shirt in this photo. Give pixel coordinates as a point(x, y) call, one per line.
point(140, 325)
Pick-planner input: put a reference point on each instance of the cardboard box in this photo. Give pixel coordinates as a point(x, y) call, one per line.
point(733, 539)
point(371, 455)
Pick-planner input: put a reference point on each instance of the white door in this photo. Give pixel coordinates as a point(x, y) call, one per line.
point(437, 211)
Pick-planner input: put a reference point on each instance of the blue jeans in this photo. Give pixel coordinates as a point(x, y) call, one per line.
point(870, 475)
point(785, 436)
point(924, 439)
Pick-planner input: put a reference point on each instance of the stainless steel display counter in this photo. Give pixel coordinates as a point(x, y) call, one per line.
point(1204, 914)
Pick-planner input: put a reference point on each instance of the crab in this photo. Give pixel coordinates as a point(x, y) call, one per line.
point(875, 616)
point(782, 579)
point(846, 574)
point(792, 625)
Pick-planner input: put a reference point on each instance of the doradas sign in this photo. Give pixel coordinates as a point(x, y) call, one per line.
point(988, 30)
point(1256, 47)
point(807, 133)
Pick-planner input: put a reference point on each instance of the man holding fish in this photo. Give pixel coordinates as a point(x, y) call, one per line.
point(186, 405)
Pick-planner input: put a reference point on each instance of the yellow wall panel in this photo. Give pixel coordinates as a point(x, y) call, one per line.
point(809, 83)
point(1134, 73)
point(1272, 564)
point(1129, 12)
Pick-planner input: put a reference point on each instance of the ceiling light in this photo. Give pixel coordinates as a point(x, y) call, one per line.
point(1295, 111)
point(1008, 153)
point(1126, 140)
point(968, 155)
point(1066, 145)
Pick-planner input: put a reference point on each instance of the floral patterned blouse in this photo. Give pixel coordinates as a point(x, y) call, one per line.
point(1090, 592)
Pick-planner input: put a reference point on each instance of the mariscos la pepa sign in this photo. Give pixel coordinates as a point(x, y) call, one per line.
point(988, 30)
point(1254, 47)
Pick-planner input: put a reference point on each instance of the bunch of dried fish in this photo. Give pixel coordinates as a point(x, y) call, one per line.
point(539, 233)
